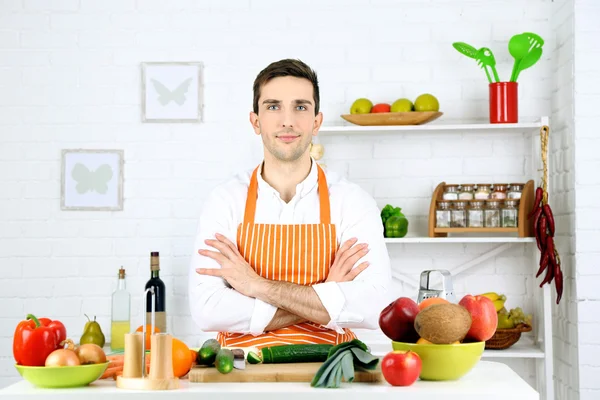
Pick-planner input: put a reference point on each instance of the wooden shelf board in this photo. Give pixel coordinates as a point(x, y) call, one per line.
point(495, 239)
point(474, 230)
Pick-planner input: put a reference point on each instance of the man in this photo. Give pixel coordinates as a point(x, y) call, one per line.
point(268, 269)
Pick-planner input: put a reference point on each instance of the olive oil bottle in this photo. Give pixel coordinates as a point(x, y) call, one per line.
point(160, 296)
point(120, 314)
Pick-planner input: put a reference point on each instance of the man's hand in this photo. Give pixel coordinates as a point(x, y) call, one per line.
point(234, 269)
point(345, 258)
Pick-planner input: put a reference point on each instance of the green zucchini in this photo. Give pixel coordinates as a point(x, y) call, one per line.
point(208, 352)
point(224, 361)
point(295, 353)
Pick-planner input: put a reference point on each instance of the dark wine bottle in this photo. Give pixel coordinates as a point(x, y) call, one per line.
point(160, 295)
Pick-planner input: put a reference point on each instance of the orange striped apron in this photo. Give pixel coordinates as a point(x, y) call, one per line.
point(300, 254)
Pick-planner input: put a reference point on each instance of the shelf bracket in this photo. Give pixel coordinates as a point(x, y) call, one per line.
point(458, 270)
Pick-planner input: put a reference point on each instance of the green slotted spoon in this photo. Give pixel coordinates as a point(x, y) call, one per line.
point(485, 59)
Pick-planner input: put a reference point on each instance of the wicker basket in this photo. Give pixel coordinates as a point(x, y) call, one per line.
point(504, 338)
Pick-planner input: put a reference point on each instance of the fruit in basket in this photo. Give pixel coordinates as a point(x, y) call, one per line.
point(402, 105)
point(497, 299)
point(504, 322)
point(443, 323)
point(401, 368)
point(380, 108)
point(484, 317)
point(427, 102)
point(397, 320)
point(361, 106)
point(518, 317)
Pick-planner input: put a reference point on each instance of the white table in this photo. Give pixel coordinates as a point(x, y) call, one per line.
point(488, 380)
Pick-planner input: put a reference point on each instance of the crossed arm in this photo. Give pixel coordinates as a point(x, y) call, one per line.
point(295, 303)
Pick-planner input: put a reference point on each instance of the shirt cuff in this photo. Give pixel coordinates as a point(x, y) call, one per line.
point(333, 300)
point(261, 316)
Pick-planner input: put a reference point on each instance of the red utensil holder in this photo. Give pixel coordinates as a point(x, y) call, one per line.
point(504, 103)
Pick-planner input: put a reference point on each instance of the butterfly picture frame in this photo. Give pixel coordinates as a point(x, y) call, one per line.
point(172, 92)
point(92, 180)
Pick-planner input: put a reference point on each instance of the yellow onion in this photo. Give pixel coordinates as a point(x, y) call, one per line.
point(63, 357)
point(90, 353)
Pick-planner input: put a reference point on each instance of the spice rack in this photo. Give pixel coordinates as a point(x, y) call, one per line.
point(523, 226)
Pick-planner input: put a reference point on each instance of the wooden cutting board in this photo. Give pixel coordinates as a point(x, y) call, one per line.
point(288, 372)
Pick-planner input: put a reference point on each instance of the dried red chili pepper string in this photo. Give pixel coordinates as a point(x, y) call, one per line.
point(544, 227)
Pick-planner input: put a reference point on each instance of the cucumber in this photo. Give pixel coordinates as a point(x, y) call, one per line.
point(253, 358)
point(295, 353)
point(224, 361)
point(208, 352)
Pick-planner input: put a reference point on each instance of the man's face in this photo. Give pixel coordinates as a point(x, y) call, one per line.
point(286, 117)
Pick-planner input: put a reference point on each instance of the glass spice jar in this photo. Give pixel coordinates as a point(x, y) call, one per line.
point(510, 213)
point(514, 191)
point(466, 192)
point(459, 214)
point(482, 192)
point(475, 214)
point(491, 214)
point(450, 192)
point(499, 192)
point(442, 214)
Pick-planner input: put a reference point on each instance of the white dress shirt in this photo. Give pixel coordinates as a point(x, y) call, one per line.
point(215, 306)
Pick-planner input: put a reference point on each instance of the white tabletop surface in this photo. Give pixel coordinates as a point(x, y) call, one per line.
point(488, 380)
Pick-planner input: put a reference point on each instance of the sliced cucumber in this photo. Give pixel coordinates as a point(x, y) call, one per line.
point(253, 358)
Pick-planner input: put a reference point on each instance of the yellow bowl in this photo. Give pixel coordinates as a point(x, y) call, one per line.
point(444, 362)
point(62, 377)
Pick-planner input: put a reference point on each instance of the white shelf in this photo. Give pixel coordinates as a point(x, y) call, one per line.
point(483, 239)
point(524, 348)
point(432, 127)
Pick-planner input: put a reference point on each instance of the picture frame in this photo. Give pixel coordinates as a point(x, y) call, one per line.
point(91, 179)
point(172, 91)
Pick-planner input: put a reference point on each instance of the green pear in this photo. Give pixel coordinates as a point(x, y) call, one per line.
point(92, 333)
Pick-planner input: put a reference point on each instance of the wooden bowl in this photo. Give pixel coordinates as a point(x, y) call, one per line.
point(393, 118)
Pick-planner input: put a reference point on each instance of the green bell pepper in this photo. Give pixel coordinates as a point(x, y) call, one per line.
point(388, 211)
point(396, 226)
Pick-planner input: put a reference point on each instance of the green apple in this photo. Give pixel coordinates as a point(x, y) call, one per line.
point(361, 106)
point(402, 105)
point(427, 102)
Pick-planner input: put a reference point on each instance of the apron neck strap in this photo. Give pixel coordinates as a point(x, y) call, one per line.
point(325, 211)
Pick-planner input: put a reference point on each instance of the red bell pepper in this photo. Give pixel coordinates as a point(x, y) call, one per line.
point(59, 329)
point(33, 342)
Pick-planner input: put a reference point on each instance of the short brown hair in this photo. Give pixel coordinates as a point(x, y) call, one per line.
point(286, 67)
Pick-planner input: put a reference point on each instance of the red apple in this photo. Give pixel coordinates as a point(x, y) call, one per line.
point(381, 107)
point(397, 320)
point(483, 315)
point(401, 368)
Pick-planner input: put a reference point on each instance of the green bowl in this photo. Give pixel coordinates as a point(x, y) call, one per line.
point(62, 377)
point(444, 362)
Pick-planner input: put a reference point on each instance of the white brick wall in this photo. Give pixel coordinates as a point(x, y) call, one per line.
point(69, 78)
point(587, 148)
point(562, 191)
